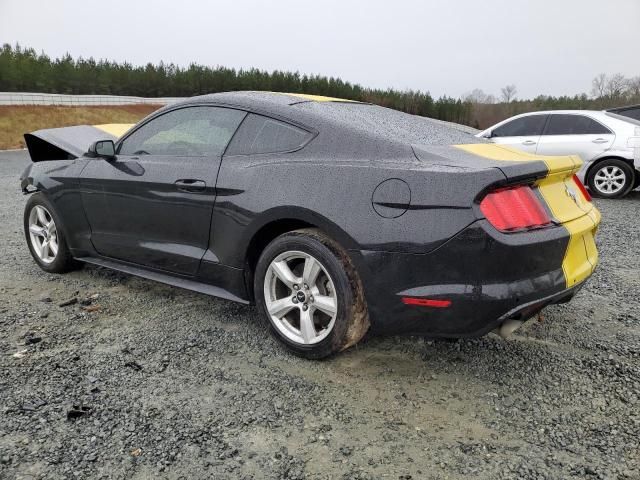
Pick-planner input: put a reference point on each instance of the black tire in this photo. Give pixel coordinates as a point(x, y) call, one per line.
point(629, 181)
point(351, 320)
point(63, 261)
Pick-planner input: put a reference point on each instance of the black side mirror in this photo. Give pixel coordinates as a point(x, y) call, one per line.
point(102, 149)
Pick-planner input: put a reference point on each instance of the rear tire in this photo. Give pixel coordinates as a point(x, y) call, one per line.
point(45, 237)
point(611, 178)
point(310, 294)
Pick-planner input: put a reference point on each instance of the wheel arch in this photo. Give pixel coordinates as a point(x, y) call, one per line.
point(597, 161)
point(282, 220)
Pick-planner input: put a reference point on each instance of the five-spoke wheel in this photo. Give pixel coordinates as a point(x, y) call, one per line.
point(310, 293)
point(300, 297)
point(43, 234)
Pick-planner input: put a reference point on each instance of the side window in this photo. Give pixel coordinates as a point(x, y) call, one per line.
point(259, 134)
point(562, 124)
point(521, 127)
point(190, 131)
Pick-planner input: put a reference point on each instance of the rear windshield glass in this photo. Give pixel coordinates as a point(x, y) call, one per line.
point(391, 124)
point(631, 112)
point(624, 118)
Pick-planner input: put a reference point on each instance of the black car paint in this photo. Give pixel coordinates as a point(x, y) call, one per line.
point(138, 213)
point(437, 244)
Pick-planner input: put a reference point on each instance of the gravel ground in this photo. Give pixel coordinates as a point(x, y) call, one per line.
point(140, 380)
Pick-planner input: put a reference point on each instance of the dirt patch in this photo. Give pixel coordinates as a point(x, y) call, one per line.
point(16, 120)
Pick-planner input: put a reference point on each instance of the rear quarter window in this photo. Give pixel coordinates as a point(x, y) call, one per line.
point(259, 134)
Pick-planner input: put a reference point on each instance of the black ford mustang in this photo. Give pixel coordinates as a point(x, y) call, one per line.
point(335, 217)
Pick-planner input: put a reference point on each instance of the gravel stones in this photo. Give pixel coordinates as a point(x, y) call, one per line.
point(216, 397)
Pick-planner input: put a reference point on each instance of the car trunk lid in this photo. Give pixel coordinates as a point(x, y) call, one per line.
point(551, 176)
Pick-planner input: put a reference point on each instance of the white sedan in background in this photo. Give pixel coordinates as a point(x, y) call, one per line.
point(608, 143)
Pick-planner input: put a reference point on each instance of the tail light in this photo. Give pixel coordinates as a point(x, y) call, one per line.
point(513, 209)
point(583, 190)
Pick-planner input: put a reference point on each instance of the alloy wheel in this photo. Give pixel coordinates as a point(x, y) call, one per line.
point(43, 234)
point(610, 179)
point(300, 297)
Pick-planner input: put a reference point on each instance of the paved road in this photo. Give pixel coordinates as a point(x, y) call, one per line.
point(150, 381)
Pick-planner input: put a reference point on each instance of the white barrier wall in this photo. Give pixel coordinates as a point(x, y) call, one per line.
point(26, 98)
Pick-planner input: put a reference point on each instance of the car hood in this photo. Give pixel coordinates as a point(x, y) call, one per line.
point(69, 142)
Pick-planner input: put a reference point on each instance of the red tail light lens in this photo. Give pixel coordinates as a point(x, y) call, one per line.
point(583, 190)
point(514, 209)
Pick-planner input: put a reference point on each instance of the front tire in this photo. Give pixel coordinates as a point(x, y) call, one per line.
point(611, 178)
point(45, 238)
point(310, 294)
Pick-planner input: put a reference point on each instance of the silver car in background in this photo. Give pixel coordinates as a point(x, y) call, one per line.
point(607, 143)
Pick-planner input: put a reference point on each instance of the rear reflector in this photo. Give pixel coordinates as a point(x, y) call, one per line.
point(583, 190)
point(513, 209)
point(426, 302)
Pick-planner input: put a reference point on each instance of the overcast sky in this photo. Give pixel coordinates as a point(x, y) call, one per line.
point(445, 47)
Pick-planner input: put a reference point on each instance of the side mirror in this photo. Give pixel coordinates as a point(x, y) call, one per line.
point(102, 149)
point(488, 134)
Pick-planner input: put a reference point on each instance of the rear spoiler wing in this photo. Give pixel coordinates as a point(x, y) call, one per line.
point(67, 143)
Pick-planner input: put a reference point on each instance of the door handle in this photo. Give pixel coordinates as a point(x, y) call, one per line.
point(528, 142)
point(190, 185)
point(600, 140)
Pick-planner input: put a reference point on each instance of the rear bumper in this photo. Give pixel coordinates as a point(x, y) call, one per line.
point(487, 276)
point(525, 312)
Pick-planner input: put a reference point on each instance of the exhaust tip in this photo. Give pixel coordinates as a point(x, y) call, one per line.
point(508, 327)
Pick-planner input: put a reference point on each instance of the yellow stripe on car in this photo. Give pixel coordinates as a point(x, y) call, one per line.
point(507, 154)
point(115, 129)
point(317, 98)
point(566, 203)
point(581, 220)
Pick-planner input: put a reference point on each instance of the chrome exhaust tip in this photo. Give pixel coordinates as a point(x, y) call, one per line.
point(508, 327)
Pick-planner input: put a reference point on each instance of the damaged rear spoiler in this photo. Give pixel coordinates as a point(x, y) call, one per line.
point(67, 143)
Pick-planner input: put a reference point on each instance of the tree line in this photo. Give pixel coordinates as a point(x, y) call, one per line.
point(607, 91)
point(23, 69)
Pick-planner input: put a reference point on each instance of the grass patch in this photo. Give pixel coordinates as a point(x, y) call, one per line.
point(16, 120)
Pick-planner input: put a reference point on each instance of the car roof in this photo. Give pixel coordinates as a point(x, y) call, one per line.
point(607, 117)
point(326, 114)
point(569, 112)
point(610, 119)
point(262, 100)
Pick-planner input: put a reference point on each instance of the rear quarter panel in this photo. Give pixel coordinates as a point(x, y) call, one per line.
point(336, 196)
